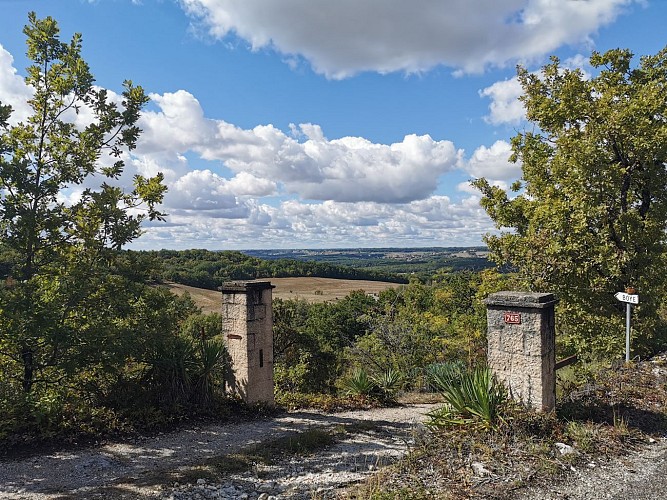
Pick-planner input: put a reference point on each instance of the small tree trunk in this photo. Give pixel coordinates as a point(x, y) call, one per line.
point(28, 369)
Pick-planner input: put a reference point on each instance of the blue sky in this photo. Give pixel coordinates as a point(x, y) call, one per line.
point(320, 124)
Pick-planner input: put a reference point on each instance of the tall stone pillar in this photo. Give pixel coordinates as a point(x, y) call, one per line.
point(522, 345)
point(247, 325)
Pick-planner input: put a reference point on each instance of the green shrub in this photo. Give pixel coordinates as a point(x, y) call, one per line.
point(295, 376)
point(477, 398)
point(359, 383)
point(442, 375)
point(388, 383)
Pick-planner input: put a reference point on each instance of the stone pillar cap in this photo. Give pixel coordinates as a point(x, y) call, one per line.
point(528, 300)
point(244, 286)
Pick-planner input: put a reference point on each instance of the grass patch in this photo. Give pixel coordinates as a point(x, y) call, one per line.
point(233, 463)
point(191, 474)
point(329, 403)
point(414, 398)
point(270, 452)
point(303, 443)
point(359, 427)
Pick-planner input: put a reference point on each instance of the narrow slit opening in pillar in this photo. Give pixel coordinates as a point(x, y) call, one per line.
point(261, 358)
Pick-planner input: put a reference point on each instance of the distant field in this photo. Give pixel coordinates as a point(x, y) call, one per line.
point(310, 289)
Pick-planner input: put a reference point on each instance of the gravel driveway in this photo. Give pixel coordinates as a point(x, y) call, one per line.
point(145, 469)
point(640, 475)
point(148, 467)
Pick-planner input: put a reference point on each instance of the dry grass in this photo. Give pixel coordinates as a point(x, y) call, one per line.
point(413, 398)
point(309, 289)
point(615, 411)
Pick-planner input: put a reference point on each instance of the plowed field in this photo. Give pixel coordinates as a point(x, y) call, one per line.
point(309, 289)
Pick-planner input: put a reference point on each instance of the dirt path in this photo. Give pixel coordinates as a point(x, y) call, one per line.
point(151, 467)
point(640, 475)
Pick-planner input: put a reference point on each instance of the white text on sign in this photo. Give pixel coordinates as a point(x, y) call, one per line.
point(512, 318)
point(626, 297)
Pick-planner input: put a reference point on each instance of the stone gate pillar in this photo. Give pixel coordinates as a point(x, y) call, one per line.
point(522, 345)
point(247, 326)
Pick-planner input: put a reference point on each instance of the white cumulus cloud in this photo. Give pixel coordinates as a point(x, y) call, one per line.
point(493, 162)
point(505, 106)
point(204, 191)
point(344, 37)
point(309, 165)
point(13, 89)
point(347, 191)
point(436, 220)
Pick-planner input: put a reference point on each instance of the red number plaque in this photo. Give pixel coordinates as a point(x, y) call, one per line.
point(513, 318)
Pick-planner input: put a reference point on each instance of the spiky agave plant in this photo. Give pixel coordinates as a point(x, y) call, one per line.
point(211, 362)
point(476, 399)
point(359, 383)
point(388, 383)
point(442, 375)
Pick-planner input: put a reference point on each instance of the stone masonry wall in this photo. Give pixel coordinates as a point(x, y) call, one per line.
point(247, 324)
point(522, 346)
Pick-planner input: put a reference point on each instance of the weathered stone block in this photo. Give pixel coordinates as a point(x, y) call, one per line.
point(522, 345)
point(247, 324)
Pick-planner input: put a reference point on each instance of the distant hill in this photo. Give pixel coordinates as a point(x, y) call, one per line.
point(400, 261)
point(209, 269)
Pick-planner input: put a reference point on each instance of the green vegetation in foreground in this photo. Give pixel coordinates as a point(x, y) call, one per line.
point(385, 343)
point(88, 348)
point(601, 414)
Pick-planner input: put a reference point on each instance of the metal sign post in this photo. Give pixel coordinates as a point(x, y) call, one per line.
point(627, 332)
point(629, 299)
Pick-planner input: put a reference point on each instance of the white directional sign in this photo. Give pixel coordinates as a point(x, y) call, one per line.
point(626, 297)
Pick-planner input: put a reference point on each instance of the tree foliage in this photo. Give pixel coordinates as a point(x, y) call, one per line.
point(590, 212)
point(393, 337)
point(62, 287)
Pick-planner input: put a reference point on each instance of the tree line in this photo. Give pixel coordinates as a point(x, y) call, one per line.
point(208, 269)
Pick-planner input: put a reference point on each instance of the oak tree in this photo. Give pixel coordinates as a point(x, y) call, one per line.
point(63, 234)
point(588, 216)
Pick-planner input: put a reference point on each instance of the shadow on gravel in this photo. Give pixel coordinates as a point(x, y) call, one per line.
point(649, 422)
point(106, 493)
point(119, 471)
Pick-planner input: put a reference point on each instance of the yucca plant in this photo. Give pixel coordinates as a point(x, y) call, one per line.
point(388, 383)
point(443, 375)
point(359, 383)
point(171, 365)
point(477, 399)
point(211, 362)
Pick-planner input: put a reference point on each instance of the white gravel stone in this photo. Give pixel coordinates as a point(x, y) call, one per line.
point(564, 449)
point(121, 465)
